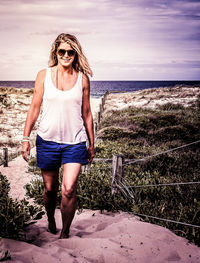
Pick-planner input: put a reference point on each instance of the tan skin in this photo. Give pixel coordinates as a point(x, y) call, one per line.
point(67, 77)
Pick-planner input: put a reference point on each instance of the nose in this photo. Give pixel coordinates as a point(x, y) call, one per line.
point(66, 54)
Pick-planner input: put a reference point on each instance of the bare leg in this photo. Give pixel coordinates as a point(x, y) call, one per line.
point(50, 178)
point(69, 203)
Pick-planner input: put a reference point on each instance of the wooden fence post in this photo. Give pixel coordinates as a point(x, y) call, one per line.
point(102, 103)
point(100, 109)
point(95, 127)
point(5, 157)
point(117, 173)
point(85, 168)
point(106, 94)
point(99, 120)
point(99, 114)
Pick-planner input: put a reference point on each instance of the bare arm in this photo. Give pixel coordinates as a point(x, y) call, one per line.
point(33, 111)
point(87, 116)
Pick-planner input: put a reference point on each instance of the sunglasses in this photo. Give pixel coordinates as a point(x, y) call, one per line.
point(70, 52)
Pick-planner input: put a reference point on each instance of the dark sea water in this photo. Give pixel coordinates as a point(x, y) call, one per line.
point(98, 88)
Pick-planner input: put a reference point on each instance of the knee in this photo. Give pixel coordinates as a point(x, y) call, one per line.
point(68, 192)
point(50, 191)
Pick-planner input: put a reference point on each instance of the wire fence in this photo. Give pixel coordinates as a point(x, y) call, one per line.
point(160, 153)
point(167, 220)
point(129, 194)
point(170, 184)
point(122, 186)
point(118, 182)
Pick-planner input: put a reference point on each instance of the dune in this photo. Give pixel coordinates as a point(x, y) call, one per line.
point(16, 172)
point(152, 98)
point(13, 111)
point(106, 237)
point(95, 237)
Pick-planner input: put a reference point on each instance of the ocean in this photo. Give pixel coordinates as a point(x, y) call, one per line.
point(98, 88)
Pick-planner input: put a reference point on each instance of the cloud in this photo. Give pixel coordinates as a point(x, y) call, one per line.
point(124, 33)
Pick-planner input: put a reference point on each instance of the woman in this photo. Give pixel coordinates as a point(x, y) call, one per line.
point(66, 123)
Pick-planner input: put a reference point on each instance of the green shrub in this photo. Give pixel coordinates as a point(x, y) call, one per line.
point(34, 190)
point(93, 190)
point(32, 166)
point(113, 133)
point(167, 127)
point(171, 106)
point(138, 133)
point(198, 103)
point(15, 215)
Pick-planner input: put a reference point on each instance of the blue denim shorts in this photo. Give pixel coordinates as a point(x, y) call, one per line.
point(50, 155)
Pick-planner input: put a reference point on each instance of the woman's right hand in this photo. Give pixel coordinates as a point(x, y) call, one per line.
point(25, 150)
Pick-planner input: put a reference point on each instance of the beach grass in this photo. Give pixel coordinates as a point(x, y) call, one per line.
point(138, 133)
point(13, 90)
point(15, 215)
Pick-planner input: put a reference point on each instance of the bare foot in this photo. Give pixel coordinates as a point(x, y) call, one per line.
point(64, 235)
point(52, 227)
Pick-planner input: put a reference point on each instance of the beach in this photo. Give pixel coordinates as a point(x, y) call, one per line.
point(107, 237)
point(15, 103)
point(95, 236)
point(152, 98)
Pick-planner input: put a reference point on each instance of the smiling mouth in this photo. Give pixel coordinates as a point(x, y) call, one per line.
point(65, 59)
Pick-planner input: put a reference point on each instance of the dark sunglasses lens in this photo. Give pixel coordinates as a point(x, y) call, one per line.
point(61, 52)
point(71, 52)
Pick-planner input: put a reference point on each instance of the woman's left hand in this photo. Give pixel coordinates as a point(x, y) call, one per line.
point(90, 153)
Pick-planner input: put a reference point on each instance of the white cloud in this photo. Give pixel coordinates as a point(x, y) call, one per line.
point(120, 34)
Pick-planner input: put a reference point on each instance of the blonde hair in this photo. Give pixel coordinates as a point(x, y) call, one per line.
point(80, 62)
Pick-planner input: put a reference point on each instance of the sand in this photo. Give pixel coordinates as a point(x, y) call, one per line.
point(94, 237)
point(153, 98)
point(17, 170)
point(14, 105)
point(108, 237)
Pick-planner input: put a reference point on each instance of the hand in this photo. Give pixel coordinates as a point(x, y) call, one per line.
point(25, 150)
point(90, 153)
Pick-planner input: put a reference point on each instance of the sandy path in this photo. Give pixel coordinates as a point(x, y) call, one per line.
point(94, 237)
point(102, 238)
point(18, 175)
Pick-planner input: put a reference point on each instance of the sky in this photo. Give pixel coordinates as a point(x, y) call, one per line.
point(122, 39)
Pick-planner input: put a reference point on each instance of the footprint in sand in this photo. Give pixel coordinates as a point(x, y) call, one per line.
point(101, 226)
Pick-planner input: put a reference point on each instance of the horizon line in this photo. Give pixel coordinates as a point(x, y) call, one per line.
point(119, 80)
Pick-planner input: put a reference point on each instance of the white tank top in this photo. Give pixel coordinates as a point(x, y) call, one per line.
point(61, 119)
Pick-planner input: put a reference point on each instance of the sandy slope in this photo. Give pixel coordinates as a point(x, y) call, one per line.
point(14, 105)
point(96, 237)
point(16, 171)
point(152, 98)
point(109, 237)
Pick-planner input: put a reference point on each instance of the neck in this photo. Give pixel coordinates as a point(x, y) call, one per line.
point(65, 70)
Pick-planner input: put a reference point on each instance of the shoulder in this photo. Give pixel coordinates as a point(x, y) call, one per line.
point(85, 81)
point(39, 82)
point(41, 74)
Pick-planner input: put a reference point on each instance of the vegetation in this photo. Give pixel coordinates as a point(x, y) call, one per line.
point(138, 133)
point(13, 90)
point(15, 215)
point(93, 192)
